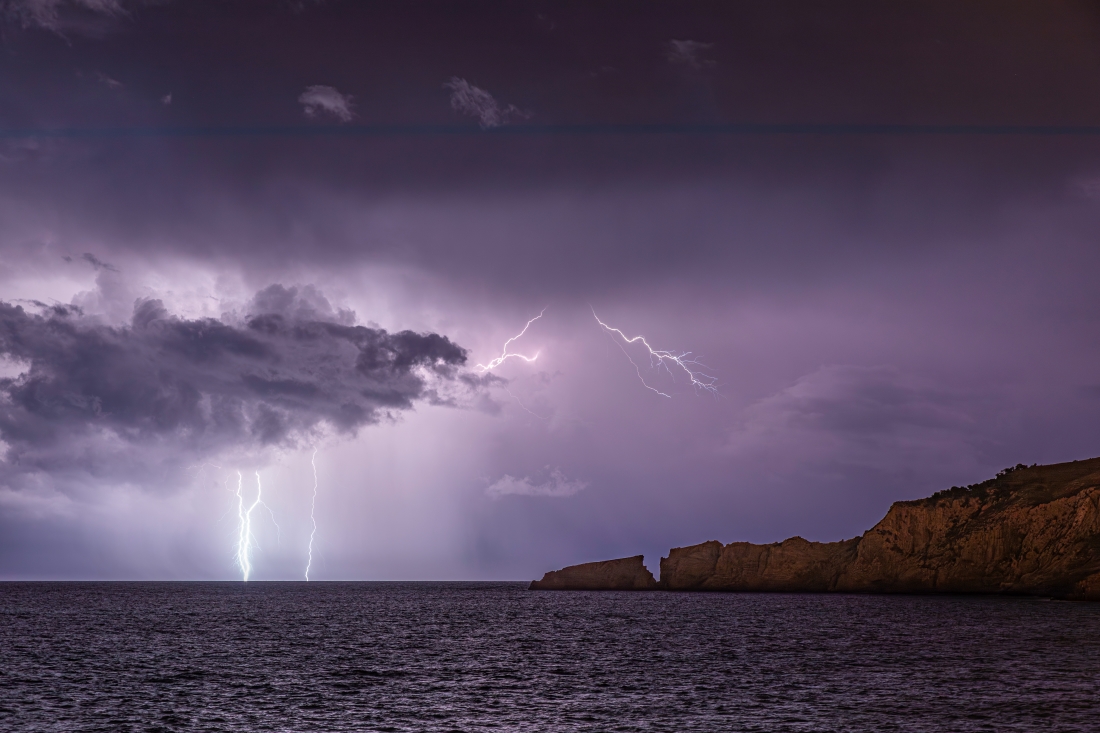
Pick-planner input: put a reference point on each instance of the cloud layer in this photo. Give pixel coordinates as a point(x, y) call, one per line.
point(278, 374)
point(867, 417)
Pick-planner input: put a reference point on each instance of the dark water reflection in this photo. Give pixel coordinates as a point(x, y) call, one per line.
point(493, 656)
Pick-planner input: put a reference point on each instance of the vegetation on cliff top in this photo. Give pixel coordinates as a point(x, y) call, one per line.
point(1021, 484)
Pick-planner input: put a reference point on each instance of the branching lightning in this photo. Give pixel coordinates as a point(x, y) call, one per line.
point(245, 538)
point(504, 355)
point(244, 527)
point(660, 358)
point(312, 513)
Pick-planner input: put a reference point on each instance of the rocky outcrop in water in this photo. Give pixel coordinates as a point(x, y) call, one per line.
point(1031, 530)
point(792, 565)
point(627, 573)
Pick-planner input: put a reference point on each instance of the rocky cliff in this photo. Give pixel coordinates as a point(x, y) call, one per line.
point(791, 565)
point(627, 573)
point(1031, 530)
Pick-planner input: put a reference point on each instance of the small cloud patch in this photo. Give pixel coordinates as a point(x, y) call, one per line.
point(108, 81)
point(54, 14)
point(558, 485)
point(476, 102)
point(689, 53)
point(1086, 188)
point(320, 100)
point(97, 263)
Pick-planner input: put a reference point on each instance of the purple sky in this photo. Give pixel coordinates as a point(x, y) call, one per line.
point(245, 231)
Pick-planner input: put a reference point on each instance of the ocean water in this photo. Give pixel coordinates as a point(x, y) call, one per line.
point(496, 657)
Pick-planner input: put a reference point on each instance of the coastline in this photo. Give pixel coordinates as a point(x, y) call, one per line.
point(1030, 531)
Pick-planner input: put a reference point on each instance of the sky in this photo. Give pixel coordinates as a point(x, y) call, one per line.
point(267, 250)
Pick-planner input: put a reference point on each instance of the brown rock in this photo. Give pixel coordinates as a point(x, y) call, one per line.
point(791, 565)
point(1032, 531)
point(627, 573)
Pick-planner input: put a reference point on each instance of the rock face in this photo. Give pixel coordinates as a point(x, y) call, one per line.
point(627, 573)
point(791, 565)
point(1032, 531)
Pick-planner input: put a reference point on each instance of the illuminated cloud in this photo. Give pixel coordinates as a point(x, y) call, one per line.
point(51, 14)
point(476, 102)
point(558, 485)
point(324, 100)
point(287, 369)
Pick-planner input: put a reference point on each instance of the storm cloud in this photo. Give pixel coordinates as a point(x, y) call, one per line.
point(890, 306)
point(288, 370)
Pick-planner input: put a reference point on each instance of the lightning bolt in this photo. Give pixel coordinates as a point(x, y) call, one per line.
point(520, 403)
point(245, 538)
point(662, 359)
point(312, 513)
point(244, 528)
point(504, 355)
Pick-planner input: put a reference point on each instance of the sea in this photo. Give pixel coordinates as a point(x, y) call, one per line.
point(498, 657)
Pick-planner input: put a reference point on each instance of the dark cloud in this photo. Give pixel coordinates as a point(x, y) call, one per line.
point(95, 262)
point(288, 368)
point(866, 403)
point(868, 417)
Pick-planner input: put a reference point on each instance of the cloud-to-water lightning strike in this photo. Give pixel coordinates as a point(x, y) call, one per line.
point(244, 529)
point(661, 358)
point(504, 355)
point(244, 525)
point(312, 513)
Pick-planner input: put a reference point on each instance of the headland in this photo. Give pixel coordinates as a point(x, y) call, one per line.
point(1031, 530)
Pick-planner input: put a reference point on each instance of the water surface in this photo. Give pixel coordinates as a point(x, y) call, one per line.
point(496, 657)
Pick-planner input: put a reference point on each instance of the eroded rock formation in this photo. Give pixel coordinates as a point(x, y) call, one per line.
point(627, 573)
point(791, 565)
point(1031, 530)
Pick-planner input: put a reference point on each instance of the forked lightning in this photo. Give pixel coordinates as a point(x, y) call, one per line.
point(661, 358)
point(504, 355)
point(245, 538)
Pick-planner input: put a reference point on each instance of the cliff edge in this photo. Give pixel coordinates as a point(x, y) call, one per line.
point(627, 573)
point(1032, 530)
